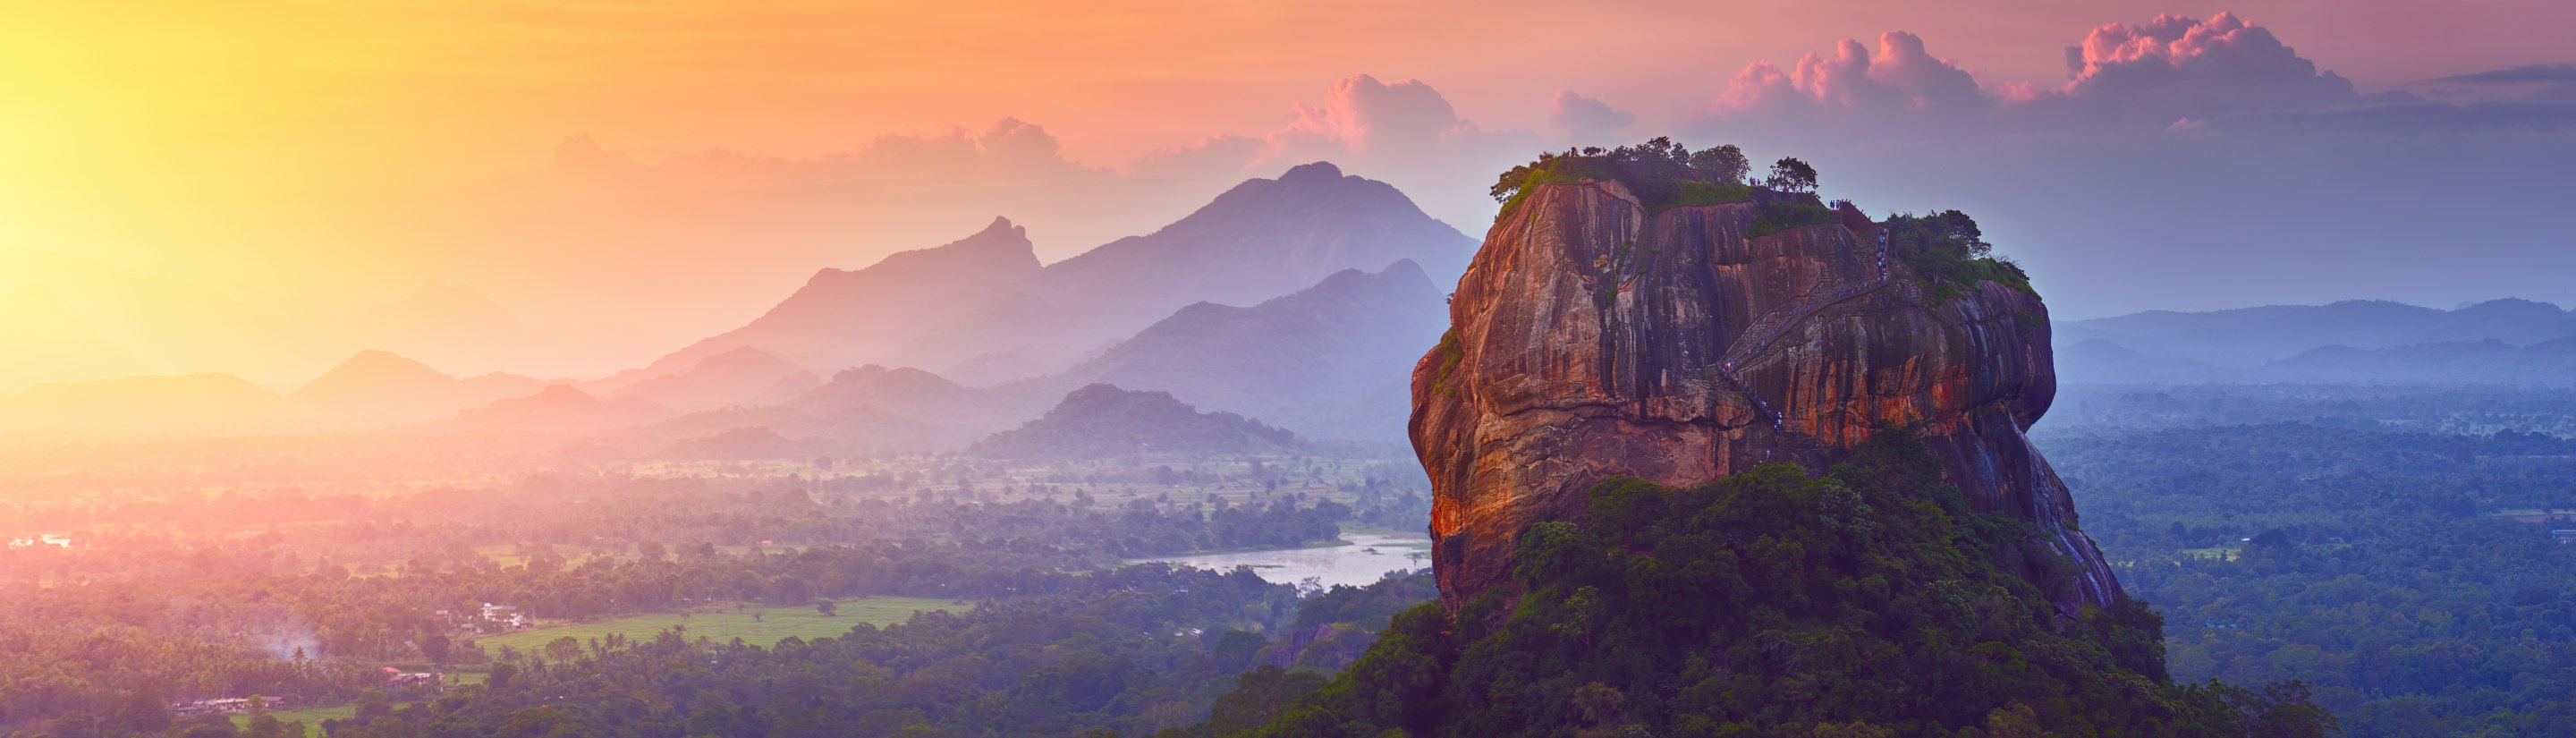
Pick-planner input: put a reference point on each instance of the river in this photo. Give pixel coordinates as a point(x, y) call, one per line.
point(1367, 558)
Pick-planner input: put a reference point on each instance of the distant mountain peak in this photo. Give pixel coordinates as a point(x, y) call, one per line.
point(1000, 246)
point(370, 373)
point(1321, 171)
point(376, 360)
point(580, 153)
point(1100, 420)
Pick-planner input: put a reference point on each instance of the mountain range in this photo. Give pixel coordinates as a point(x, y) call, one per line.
point(380, 388)
point(1301, 301)
point(984, 306)
point(1326, 362)
point(2498, 341)
point(1329, 361)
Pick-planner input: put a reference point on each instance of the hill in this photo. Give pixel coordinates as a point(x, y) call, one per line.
point(1102, 421)
point(848, 318)
point(735, 377)
point(557, 409)
point(743, 444)
point(1262, 239)
point(377, 387)
point(871, 408)
point(2252, 336)
point(2547, 363)
point(1312, 361)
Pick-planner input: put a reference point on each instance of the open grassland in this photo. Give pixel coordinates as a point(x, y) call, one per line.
point(312, 717)
point(771, 625)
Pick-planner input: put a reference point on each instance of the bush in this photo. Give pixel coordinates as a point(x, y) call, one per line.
point(1662, 174)
point(1949, 252)
point(1783, 213)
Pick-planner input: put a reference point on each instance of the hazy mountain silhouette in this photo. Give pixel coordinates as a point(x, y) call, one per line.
point(736, 377)
point(2251, 336)
point(841, 319)
point(375, 387)
point(871, 408)
point(742, 444)
point(1334, 357)
point(994, 368)
point(1100, 421)
point(1310, 361)
point(2547, 363)
point(983, 307)
point(558, 409)
point(2104, 361)
point(451, 325)
point(1262, 239)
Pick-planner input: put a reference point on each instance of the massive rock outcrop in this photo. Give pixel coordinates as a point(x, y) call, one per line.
point(1591, 338)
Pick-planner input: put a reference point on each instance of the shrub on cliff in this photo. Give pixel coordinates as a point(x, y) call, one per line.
point(1783, 213)
point(1947, 250)
point(1661, 173)
point(1871, 602)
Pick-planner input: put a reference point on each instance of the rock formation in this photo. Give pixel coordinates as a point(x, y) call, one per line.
point(1591, 338)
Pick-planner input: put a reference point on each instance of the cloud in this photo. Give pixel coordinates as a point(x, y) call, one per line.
point(1010, 148)
point(2170, 73)
point(1385, 130)
point(2173, 69)
point(1583, 120)
point(2528, 83)
point(1360, 112)
point(2521, 74)
point(1902, 81)
point(1404, 133)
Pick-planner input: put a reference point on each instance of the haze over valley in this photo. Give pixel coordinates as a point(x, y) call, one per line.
point(679, 369)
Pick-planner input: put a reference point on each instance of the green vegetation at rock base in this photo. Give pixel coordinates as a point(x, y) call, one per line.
point(1868, 602)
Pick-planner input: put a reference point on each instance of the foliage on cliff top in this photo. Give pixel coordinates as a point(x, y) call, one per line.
point(1870, 602)
point(1662, 174)
point(1949, 252)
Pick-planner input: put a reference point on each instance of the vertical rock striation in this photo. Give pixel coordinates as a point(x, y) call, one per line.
point(1592, 339)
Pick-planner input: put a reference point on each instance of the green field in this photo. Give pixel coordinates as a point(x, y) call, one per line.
point(2222, 553)
point(311, 716)
point(726, 624)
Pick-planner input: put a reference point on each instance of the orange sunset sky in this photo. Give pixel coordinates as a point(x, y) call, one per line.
point(313, 159)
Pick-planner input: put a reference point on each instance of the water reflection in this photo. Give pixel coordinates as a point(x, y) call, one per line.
point(1368, 558)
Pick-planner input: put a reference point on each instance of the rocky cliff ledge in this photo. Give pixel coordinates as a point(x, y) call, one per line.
point(1592, 338)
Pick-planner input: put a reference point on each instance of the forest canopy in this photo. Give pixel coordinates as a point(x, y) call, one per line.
point(1867, 602)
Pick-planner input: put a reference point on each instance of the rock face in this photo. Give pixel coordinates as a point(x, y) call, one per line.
point(1592, 339)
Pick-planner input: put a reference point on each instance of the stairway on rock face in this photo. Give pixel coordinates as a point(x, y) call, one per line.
point(1758, 336)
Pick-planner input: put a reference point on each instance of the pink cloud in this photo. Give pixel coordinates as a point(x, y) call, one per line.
point(1902, 79)
point(2122, 76)
point(2174, 68)
point(1360, 113)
